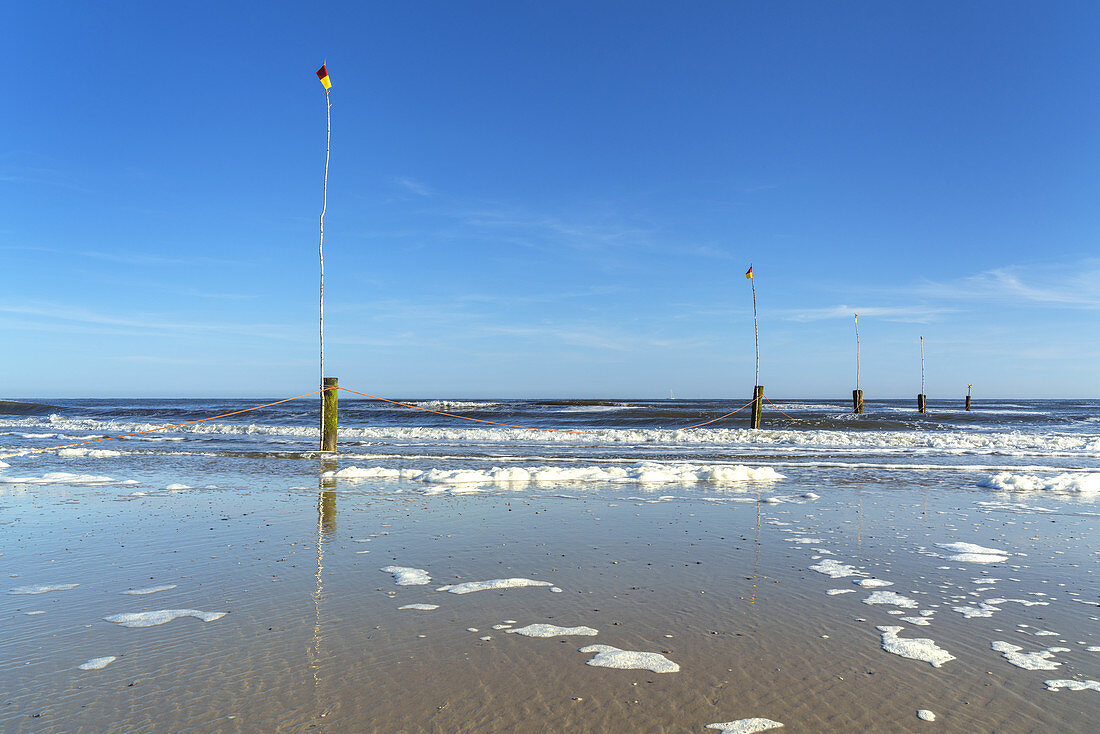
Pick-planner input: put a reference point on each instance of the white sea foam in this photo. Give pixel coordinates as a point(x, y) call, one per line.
point(971, 553)
point(1039, 660)
point(3, 465)
point(421, 607)
point(745, 726)
point(90, 453)
point(97, 663)
point(892, 598)
point(472, 586)
point(834, 592)
point(552, 630)
point(177, 487)
point(1081, 482)
point(612, 657)
point(149, 590)
point(925, 715)
point(915, 648)
point(42, 589)
point(405, 576)
point(60, 477)
point(871, 583)
point(162, 616)
point(1010, 442)
point(835, 569)
point(645, 473)
point(919, 621)
point(1073, 685)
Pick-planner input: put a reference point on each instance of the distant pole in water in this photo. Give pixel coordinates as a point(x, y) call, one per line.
point(922, 401)
point(758, 389)
point(968, 389)
point(857, 394)
point(328, 443)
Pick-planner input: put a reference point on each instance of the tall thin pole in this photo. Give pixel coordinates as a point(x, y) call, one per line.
point(321, 252)
point(856, 317)
point(922, 366)
point(756, 328)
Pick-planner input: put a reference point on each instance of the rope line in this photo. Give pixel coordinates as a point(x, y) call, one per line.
point(162, 428)
point(366, 395)
point(727, 415)
point(777, 408)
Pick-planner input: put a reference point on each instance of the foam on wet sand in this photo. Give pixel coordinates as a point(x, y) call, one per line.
point(552, 630)
point(471, 586)
point(421, 607)
point(406, 576)
point(162, 616)
point(149, 590)
point(97, 663)
point(1073, 685)
point(745, 726)
point(612, 657)
point(916, 648)
point(1038, 660)
point(42, 589)
point(971, 553)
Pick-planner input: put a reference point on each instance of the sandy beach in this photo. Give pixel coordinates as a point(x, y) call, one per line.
point(715, 581)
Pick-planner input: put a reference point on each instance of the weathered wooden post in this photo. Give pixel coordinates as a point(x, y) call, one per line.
point(968, 389)
point(329, 400)
point(757, 406)
point(922, 402)
point(857, 401)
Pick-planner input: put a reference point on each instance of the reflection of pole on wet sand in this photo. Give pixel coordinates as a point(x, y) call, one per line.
point(326, 527)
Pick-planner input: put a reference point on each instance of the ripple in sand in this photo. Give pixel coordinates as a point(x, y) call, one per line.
point(612, 657)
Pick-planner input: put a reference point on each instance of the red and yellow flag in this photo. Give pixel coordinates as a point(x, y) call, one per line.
point(322, 74)
point(749, 273)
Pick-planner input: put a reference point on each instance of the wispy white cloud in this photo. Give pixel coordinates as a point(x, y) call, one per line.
point(907, 314)
point(1069, 286)
point(413, 186)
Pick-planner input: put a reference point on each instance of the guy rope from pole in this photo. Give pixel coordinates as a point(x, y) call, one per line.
point(328, 396)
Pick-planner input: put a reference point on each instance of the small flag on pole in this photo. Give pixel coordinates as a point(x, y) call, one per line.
point(748, 273)
point(856, 317)
point(322, 74)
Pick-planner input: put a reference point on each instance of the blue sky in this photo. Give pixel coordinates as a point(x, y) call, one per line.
point(550, 199)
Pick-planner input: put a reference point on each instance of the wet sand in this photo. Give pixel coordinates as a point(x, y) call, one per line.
point(314, 639)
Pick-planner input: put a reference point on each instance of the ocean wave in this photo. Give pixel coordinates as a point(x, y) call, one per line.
point(1008, 442)
point(1081, 482)
point(645, 473)
point(451, 406)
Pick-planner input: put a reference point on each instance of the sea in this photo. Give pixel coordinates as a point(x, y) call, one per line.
point(1000, 444)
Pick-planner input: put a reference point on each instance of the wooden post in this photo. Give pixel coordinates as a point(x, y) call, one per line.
point(857, 401)
point(757, 406)
point(329, 399)
point(857, 394)
point(922, 404)
point(968, 402)
point(968, 389)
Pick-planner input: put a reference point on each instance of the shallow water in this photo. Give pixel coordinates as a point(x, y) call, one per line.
point(314, 638)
